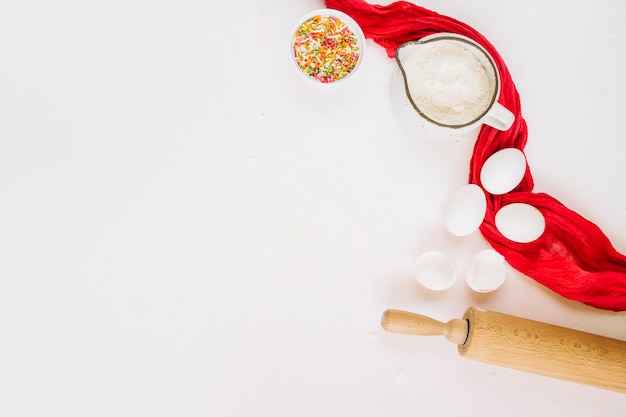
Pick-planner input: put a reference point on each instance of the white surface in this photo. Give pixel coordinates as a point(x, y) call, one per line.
point(187, 229)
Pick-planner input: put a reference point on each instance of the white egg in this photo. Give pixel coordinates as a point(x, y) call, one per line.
point(520, 222)
point(465, 210)
point(486, 271)
point(503, 171)
point(435, 271)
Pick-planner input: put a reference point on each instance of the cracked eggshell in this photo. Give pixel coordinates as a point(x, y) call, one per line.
point(435, 271)
point(503, 171)
point(486, 271)
point(465, 210)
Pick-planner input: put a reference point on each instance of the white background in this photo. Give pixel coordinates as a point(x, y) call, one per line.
point(188, 229)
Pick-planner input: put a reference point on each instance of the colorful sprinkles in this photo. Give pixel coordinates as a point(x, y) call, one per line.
point(326, 49)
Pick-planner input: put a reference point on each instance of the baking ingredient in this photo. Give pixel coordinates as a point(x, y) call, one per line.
point(503, 171)
point(325, 48)
point(445, 81)
point(465, 210)
point(519, 222)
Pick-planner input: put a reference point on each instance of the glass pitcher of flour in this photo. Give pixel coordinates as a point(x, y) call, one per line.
point(448, 84)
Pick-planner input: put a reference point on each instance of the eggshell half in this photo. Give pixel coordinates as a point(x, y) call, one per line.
point(520, 222)
point(486, 271)
point(503, 171)
point(435, 271)
point(465, 210)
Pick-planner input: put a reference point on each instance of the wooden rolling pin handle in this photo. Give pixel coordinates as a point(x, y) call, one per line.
point(404, 322)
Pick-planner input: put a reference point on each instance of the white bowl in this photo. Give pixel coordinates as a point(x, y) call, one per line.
point(354, 28)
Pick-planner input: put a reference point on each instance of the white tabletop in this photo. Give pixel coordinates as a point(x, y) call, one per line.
point(188, 229)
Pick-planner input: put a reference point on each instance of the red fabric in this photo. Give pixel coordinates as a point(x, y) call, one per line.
point(573, 257)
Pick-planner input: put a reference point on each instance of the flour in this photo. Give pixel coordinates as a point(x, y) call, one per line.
point(447, 82)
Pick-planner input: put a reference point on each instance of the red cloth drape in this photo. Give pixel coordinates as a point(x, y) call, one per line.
point(573, 257)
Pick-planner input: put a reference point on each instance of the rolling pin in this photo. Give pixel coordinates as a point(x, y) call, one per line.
point(525, 345)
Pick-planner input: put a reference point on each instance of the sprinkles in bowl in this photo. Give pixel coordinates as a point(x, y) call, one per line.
point(326, 47)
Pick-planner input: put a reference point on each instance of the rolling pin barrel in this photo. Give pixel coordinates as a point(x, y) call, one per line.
point(545, 349)
point(526, 345)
